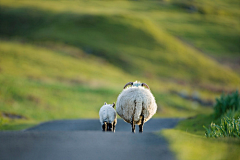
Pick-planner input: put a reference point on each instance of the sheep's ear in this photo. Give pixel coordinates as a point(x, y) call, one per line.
point(105, 103)
point(113, 105)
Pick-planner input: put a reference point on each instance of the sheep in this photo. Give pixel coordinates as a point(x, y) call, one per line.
point(108, 117)
point(136, 104)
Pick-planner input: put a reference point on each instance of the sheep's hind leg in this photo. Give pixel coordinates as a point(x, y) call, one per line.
point(114, 126)
point(141, 125)
point(104, 127)
point(133, 127)
point(109, 126)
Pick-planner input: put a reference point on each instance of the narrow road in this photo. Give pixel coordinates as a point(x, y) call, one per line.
point(84, 140)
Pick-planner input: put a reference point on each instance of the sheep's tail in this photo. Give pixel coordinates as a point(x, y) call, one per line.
point(105, 117)
point(138, 109)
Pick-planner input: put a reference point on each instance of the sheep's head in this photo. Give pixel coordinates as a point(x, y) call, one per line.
point(136, 84)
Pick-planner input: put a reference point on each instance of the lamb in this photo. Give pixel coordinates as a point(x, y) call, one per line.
point(108, 117)
point(136, 104)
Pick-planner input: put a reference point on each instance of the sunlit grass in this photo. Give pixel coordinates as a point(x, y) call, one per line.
point(64, 59)
point(189, 146)
point(148, 48)
point(188, 141)
point(6, 124)
point(42, 94)
point(39, 63)
point(212, 26)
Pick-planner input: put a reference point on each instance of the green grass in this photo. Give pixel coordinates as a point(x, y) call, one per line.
point(35, 87)
point(36, 62)
point(229, 127)
point(194, 133)
point(110, 32)
point(65, 59)
point(213, 27)
point(190, 132)
point(227, 108)
point(225, 103)
point(13, 125)
point(188, 146)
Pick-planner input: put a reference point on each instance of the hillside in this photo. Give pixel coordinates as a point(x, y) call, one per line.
point(65, 59)
point(121, 39)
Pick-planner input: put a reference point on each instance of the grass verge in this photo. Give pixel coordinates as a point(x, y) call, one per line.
point(196, 146)
point(14, 125)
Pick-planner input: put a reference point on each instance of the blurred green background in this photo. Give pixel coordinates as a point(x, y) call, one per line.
point(64, 59)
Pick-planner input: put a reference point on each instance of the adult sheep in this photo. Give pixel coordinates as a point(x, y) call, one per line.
point(136, 104)
point(108, 117)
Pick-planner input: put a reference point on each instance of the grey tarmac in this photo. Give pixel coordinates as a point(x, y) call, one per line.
point(83, 140)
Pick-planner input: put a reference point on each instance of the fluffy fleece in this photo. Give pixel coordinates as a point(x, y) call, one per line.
point(107, 114)
point(135, 101)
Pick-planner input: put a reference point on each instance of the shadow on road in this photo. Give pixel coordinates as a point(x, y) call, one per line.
point(152, 125)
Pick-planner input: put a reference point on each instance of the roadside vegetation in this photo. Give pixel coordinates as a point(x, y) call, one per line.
point(227, 109)
point(229, 127)
point(221, 129)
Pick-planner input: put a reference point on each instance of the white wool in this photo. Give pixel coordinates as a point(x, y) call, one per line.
point(107, 114)
point(134, 101)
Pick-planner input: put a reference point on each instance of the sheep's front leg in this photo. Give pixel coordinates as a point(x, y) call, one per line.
point(141, 125)
point(133, 127)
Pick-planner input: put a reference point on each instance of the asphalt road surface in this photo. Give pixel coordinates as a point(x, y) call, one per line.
point(84, 140)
